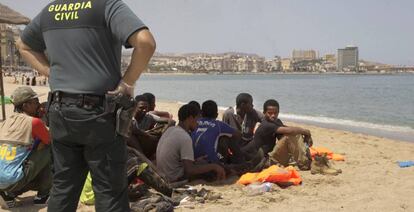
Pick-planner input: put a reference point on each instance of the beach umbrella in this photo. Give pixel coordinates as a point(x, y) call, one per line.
point(8, 16)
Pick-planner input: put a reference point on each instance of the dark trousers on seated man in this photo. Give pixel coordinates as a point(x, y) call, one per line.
point(233, 159)
point(292, 146)
point(229, 151)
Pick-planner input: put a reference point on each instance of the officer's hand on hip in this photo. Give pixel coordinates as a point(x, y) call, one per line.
point(123, 89)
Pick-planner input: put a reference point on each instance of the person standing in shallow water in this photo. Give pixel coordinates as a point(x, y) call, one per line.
point(83, 64)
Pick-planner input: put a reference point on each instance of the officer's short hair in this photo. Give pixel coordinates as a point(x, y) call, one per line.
point(270, 102)
point(186, 111)
point(243, 98)
point(209, 109)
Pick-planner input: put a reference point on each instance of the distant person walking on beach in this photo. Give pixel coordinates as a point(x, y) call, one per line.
point(83, 64)
point(33, 81)
point(243, 117)
point(44, 80)
point(24, 151)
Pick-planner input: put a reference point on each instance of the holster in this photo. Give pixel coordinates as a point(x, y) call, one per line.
point(110, 103)
point(125, 108)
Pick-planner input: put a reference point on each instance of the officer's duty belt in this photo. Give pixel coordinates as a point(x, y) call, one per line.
point(80, 100)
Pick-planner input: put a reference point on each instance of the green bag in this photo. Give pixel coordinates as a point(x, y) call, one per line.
point(88, 197)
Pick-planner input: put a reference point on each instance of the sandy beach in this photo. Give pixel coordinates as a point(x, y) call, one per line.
point(371, 179)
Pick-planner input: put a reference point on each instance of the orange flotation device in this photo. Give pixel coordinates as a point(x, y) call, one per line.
point(248, 178)
point(329, 154)
point(273, 174)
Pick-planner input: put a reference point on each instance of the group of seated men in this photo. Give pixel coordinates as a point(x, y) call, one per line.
point(199, 146)
point(202, 147)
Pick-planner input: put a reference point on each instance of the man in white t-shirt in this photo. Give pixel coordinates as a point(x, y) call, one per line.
point(175, 154)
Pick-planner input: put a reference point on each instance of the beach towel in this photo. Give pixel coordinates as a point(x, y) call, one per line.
point(405, 164)
point(273, 174)
point(329, 154)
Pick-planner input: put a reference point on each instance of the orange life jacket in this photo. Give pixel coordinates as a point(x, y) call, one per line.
point(329, 154)
point(273, 174)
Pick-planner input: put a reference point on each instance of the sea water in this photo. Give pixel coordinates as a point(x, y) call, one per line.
point(381, 105)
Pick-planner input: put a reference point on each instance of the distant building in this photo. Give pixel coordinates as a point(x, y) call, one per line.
point(286, 64)
point(298, 55)
point(348, 59)
point(329, 58)
point(201, 63)
point(273, 64)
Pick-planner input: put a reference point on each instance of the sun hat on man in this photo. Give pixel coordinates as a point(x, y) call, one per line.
point(22, 95)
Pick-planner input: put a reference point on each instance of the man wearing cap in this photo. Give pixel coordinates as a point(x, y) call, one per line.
point(83, 40)
point(24, 151)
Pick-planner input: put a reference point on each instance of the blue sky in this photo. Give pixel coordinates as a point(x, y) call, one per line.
point(382, 29)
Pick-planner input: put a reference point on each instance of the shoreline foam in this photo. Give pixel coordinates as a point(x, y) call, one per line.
point(402, 133)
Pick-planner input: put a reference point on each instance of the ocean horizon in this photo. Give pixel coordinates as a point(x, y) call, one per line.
point(379, 105)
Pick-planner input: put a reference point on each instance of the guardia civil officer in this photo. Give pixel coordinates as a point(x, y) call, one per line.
point(77, 44)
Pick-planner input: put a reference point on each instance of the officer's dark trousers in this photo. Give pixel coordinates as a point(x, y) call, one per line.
point(79, 146)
